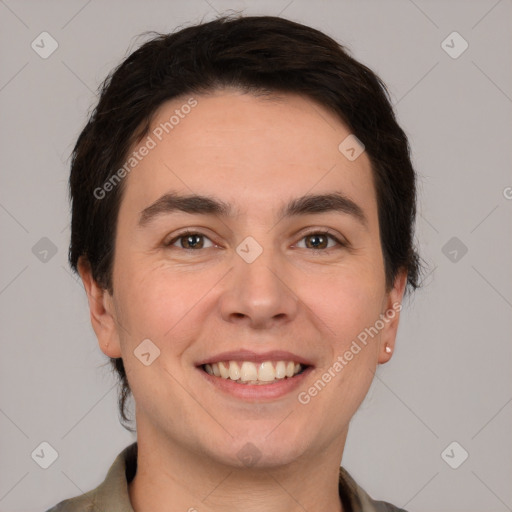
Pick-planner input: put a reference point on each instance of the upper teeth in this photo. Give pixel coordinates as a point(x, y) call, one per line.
point(249, 372)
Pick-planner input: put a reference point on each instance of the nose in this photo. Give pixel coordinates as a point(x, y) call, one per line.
point(257, 294)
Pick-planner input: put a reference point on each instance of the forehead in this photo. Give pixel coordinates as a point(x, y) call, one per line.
point(248, 151)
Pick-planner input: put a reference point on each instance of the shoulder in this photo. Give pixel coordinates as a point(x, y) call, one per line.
point(78, 504)
point(384, 506)
point(112, 494)
point(358, 500)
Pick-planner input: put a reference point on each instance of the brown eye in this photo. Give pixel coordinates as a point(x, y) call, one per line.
point(320, 241)
point(316, 241)
point(192, 242)
point(189, 241)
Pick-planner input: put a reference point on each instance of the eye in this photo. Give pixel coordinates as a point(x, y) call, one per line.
point(190, 241)
point(320, 240)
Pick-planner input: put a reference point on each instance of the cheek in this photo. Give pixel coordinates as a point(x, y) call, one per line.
point(347, 303)
point(164, 308)
point(158, 304)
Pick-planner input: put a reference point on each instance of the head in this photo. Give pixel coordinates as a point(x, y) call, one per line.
point(243, 185)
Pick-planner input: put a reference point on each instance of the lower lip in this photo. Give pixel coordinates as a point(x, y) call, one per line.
point(255, 392)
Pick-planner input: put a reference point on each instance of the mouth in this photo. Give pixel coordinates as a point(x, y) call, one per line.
point(255, 377)
point(253, 373)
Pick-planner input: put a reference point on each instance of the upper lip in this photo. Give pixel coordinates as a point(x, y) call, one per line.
point(249, 355)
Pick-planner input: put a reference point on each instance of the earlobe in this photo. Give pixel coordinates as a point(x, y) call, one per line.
point(391, 317)
point(101, 311)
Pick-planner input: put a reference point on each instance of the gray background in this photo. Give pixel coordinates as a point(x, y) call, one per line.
point(449, 379)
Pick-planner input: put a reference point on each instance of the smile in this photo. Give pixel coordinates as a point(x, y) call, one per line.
point(255, 377)
point(249, 372)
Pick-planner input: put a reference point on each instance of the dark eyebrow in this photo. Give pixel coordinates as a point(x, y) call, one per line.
point(324, 203)
point(193, 203)
point(203, 205)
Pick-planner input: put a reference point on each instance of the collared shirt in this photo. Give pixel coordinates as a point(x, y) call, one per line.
point(112, 494)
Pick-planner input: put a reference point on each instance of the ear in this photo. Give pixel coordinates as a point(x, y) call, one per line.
point(390, 316)
point(102, 311)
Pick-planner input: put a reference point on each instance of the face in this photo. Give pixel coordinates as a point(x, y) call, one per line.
point(254, 272)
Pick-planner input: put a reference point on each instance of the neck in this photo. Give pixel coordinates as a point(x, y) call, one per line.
point(171, 478)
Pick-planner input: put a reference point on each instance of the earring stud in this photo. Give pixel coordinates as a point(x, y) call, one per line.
point(388, 349)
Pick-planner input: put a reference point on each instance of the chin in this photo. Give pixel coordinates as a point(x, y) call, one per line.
point(265, 449)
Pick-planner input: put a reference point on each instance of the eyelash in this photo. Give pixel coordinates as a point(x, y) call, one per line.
point(328, 234)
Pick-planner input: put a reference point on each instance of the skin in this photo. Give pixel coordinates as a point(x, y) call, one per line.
point(256, 154)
